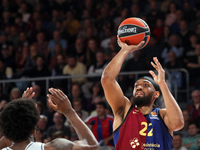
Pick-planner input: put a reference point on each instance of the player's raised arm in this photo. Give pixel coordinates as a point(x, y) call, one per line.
point(60, 102)
point(172, 116)
point(112, 90)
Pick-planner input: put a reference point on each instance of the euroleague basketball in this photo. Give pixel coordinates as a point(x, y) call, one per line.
point(134, 30)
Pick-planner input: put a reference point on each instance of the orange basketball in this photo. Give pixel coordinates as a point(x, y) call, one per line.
point(134, 30)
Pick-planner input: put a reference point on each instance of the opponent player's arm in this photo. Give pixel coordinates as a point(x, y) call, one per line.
point(60, 102)
point(112, 90)
point(172, 115)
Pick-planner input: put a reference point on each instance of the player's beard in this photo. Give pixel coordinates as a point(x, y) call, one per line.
point(146, 100)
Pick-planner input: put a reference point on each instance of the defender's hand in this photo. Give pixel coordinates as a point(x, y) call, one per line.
point(160, 78)
point(28, 94)
point(129, 48)
point(59, 101)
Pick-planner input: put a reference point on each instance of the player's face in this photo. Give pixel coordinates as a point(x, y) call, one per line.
point(143, 93)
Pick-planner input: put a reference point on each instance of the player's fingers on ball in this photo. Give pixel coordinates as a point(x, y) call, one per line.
point(140, 44)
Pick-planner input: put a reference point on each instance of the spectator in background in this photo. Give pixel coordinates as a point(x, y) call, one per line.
point(95, 69)
point(153, 49)
point(136, 63)
point(57, 70)
point(42, 125)
point(80, 50)
point(175, 45)
point(184, 33)
point(112, 47)
point(41, 45)
point(30, 62)
point(158, 30)
point(39, 135)
point(198, 143)
point(40, 70)
point(15, 93)
point(177, 142)
point(74, 67)
point(7, 59)
point(189, 12)
point(190, 142)
point(123, 16)
point(51, 25)
point(53, 60)
point(194, 108)
point(193, 66)
point(21, 25)
point(56, 39)
point(175, 27)
point(194, 23)
point(13, 37)
point(58, 120)
point(49, 113)
point(96, 91)
point(86, 24)
point(101, 125)
point(38, 27)
point(190, 51)
point(165, 36)
point(171, 15)
point(38, 95)
point(174, 63)
point(153, 14)
point(71, 25)
point(24, 12)
point(77, 105)
point(76, 93)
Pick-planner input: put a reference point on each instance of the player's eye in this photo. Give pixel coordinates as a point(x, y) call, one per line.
point(146, 85)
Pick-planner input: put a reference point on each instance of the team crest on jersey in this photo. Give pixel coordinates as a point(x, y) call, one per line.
point(153, 113)
point(134, 143)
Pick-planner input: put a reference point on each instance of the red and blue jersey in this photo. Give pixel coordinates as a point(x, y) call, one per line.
point(101, 128)
point(152, 128)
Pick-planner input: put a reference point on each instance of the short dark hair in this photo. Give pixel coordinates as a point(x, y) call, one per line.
point(18, 119)
point(102, 103)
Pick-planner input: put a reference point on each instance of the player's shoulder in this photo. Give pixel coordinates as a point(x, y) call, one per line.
point(162, 112)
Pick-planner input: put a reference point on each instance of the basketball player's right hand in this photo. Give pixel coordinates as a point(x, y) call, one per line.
point(58, 101)
point(129, 48)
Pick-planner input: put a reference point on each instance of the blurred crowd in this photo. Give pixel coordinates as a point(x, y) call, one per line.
point(43, 38)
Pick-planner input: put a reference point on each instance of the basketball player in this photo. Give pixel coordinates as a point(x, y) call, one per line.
point(18, 121)
point(138, 126)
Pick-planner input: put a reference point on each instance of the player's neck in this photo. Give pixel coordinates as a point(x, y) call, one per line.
point(20, 145)
point(145, 109)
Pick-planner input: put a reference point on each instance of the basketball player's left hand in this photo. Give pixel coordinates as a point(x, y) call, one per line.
point(160, 78)
point(58, 101)
point(28, 94)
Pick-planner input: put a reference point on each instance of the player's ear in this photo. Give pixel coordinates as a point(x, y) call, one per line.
point(157, 94)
